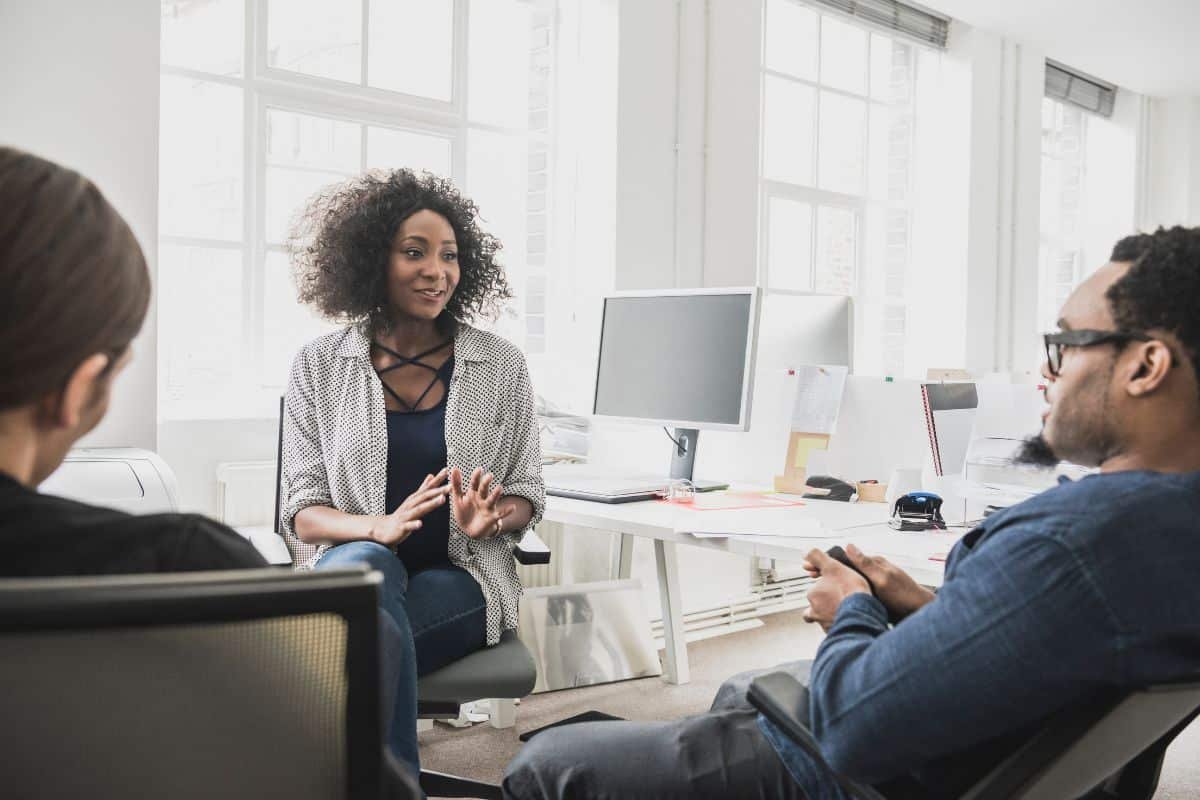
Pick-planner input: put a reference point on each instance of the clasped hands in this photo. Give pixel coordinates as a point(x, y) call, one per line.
point(895, 588)
point(475, 506)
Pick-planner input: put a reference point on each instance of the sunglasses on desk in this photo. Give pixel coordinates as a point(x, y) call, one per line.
point(1057, 342)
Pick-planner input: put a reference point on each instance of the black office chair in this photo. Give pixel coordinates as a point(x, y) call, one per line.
point(1111, 748)
point(501, 673)
point(240, 684)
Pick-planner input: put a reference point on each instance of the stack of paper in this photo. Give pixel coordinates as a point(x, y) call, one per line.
point(720, 524)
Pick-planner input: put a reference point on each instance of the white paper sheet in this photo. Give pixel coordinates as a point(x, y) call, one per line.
point(739, 522)
point(818, 398)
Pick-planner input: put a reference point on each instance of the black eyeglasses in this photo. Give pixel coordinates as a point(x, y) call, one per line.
point(1057, 342)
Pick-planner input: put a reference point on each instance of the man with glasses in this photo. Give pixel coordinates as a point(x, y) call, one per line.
point(1090, 585)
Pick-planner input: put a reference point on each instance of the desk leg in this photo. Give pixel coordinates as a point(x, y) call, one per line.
point(675, 658)
point(625, 556)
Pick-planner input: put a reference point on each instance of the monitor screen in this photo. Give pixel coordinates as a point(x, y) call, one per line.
point(682, 359)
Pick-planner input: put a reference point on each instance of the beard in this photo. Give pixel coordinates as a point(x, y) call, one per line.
point(1080, 430)
point(1036, 452)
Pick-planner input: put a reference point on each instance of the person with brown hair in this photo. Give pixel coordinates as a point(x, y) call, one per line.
point(74, 290)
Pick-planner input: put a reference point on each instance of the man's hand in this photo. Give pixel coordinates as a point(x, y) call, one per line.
point(391, 529)
point(835, 583)
point(895, 588)
point(475, 506)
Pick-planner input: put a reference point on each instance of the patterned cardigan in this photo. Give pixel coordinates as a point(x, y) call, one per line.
point(335, 447)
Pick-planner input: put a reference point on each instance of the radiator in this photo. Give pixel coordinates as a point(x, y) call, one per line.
point(741, 613)
point(246, 493)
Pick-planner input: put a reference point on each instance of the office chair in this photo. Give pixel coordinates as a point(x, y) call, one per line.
point(501, 673)
point(1110, 748)
point(239, 684)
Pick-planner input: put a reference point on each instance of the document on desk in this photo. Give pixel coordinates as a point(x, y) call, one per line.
point(764, 522)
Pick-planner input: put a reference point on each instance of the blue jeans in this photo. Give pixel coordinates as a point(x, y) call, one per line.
point(429, 619)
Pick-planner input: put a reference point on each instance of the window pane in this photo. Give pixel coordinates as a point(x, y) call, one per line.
point(843, 55)
point(391, 149)
point(792, 39)
point(891, 70)
point(890, 143)
point(836, 232)
point(304, 154)
point(287, 325)
point(789, 244)
point(498, 62)
point(843, 128)
point(203, 34)
point(200, 320)
point(303, 140)
point(316, 37)
point(200, 159)
point(411, 47)
point(788, 131)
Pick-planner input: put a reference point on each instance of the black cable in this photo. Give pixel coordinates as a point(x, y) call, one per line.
point(677, 443)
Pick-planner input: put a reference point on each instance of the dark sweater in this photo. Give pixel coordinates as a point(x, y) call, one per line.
point(43, 535)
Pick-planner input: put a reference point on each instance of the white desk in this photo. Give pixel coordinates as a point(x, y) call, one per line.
point(826, 523)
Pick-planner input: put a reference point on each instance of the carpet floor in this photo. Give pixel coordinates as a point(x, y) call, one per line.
point(481, 752)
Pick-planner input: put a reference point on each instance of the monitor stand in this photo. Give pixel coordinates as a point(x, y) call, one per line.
point(683, 459)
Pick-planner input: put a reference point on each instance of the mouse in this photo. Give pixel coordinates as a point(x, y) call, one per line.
point(838, 489)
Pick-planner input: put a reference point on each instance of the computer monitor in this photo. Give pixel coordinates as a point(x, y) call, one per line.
point(679, 358)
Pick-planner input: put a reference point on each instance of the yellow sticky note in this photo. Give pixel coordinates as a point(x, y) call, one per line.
point(806, 443)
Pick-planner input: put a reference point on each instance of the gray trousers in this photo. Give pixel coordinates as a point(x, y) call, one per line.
point(721, 753)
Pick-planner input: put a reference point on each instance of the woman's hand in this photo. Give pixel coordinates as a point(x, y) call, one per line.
point(475, 507)
point(394, 528)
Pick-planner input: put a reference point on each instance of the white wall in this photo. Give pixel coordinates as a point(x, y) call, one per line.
point(734, 124)
point(80, 87)
point(1173, 163)
point(646, 136)
point(687, 143)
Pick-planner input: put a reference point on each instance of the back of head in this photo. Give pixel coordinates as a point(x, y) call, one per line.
point(1161, 290)
point(74, 279)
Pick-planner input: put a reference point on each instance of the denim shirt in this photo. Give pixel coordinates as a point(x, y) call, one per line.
point(1090, 585)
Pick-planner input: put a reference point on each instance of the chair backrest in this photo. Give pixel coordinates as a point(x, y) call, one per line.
point(279, 470)
point(1082, 748)
point(252, 683)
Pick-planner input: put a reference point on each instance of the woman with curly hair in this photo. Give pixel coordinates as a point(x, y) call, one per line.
point(410, 441)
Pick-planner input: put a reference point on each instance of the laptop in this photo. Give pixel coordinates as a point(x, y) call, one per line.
point(581, 482)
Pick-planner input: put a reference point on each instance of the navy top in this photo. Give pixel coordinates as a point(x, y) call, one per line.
point(1091, 584)
point(416, 448)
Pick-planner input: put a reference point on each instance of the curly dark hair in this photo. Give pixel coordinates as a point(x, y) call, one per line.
point(1162, 289)
point(341, 242)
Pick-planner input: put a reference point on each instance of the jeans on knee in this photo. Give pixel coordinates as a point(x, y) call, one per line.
point(427, 620)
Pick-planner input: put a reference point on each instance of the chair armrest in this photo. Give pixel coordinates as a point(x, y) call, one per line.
point(784, 701)
point(532, 550)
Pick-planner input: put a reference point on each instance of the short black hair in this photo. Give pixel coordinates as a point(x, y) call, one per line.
point(341, 242)
point(1161, 291)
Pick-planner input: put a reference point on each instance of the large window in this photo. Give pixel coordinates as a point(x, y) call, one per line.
point(1087, 194)
point(1060, 253)
point(839, 107)
point(264, 102)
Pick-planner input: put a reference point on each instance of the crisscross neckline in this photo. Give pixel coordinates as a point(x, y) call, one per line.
point(404, 361)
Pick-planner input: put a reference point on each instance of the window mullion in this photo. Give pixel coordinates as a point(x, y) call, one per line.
point(253, 316)
point(364, 36)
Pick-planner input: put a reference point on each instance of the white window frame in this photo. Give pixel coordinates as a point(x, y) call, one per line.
point(1055, 244)
point(861, 203)
point(265, 87)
